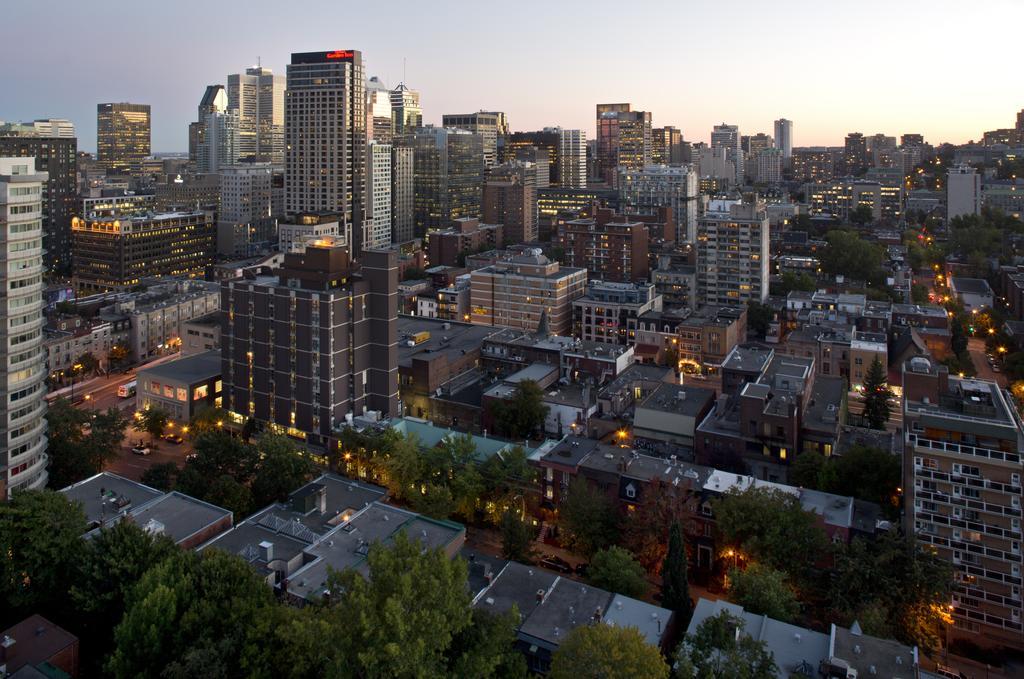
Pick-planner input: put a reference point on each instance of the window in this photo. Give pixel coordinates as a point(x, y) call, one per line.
point(200, 392)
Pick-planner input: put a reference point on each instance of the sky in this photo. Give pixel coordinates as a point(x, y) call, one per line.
point(937, 67)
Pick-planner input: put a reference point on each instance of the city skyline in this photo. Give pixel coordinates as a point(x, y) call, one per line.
point(692, 69)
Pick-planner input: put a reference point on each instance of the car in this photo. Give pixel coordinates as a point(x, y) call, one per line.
point(555, 563)
point(173, 438)
point(141, 450)
point(191, 456)
point(582, 569)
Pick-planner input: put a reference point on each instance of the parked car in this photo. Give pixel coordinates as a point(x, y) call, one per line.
point(191, 456)
point(555, 563)
point(582, 569)
point(141, 450)
point(173, 438)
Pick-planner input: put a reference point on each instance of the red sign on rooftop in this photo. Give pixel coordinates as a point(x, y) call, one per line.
point(340, 54)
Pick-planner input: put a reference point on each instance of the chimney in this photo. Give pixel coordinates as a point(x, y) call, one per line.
point(321, 499)
point(267, 551)
point(597, 614)
point(540, 596)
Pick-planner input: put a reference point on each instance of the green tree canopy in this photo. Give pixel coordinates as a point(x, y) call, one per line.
point(876, 395)
point(81, 441)
point(600, 650)
point(645, 530)
point(850, 255)
point(589, 517)
point(715, 651)
point(759, 317)
point(517, 537)
point(282, 468)
point(675, 589)
point(764, 591)
point(152, 421)
point(161, 476)
point(522, 415)
point(616, 570)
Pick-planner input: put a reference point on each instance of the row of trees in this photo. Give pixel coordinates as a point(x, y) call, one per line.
point(863, 472)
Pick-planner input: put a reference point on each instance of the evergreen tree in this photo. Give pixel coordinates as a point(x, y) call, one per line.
point(876, 396)
point(675, 590)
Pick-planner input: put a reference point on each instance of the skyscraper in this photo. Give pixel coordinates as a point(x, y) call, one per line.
point(57, 157)
point(732, 253)
point(216, 133)
point(667, 146)
point(257, 96)
point(572, 159)
point(325, 135)
point(644, 191)
point(728, 137)
point(22, 411)
point(246, 219)
point(510, 199)
point(448, 175)
point(378, 111)
point(855, 153)
point(377, 225)
point(623, 140)
point(403, 202)
point(784, 138)
point(487, 124)
point(406, 114)
point(963, 192)
point(122, 136)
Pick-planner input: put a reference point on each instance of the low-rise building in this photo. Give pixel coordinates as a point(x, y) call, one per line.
point(201, 334)
point(974, 293)
point(465, 236)
point(665, 423)
point(181, 387)
point(608, 312)
point(35, 647)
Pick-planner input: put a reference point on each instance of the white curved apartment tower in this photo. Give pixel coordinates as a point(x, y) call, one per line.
point(22, 408)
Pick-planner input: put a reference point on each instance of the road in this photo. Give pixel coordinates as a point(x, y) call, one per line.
point(976, 347)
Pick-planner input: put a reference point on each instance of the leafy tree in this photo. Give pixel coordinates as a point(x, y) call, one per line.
point(759, 317)
point(905, 588)
point(81, 441)
point(486, 648)
point(221, 472)
point(41, 546)
point(403, 466)
point(589, 517)
point(1013, 364)
point(517, 538)
point(282, 469)
point(849, 255)
point(194, 612)
point(645, 530)
point(876, 395)
point(769, 526)
point(675, 590)
point(764, 591)
point(401, 620)
point(616, 570)
point(867, 473)
point(523, 414)
point(861, 215)
point(152, 421)
point(206, 420)
point(715, 651)
point(507, 479)
point(414, 274)
point(805, 472)
point(958, 335)
point(112, 564)
point(919, 293)
point(161, 476)
point(600, 650)
point(792, 281)
point(89, 364)
point(117, 355)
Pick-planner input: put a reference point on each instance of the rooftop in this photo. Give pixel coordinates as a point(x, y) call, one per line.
point(969, 286)
point(178, 516)
point(677, 399)
point(188, 369)
point(105, 496)
point(36, 640)
point(455, 340)
point(748, 358)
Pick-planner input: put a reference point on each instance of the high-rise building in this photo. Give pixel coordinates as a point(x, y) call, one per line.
point(325, 135)
point(510, 199)
point(881, 150)
point(962, 478)
point(963, 192)
point(518, 290)
point(486, 124)
point(23, 445)
point(314, 344)
point(572, 159)
point(246, 219)
point(377, 225)
point(216, 133)
point(44, 127)
point(214, 99)
point(784, 138)
point(378, 111)
point(769, 166)
point(447, 175)
point(666, 146)
point(813, 163)
point(727, 137)
point(655, 186)
point(115, 254)
point(609, 247)
point(913, 139)
point(57, 157)
point(732, 253)
point(623, 140)
point(406, 114)
point(122, 137)
point(403, 195)
point(257, 96)
point(546, 141)
point(855, 153)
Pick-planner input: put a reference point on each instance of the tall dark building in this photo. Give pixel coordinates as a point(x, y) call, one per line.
point(623, 140)
point(325, 138)
point(448, 175)
point(58, 157)
point(549, 140)
point(855, 153)
point(122, 137)
point(312, 343)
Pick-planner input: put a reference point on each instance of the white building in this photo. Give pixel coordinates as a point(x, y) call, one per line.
point(963, 192)
point(23, 446)
point(732, 253)
point(246, 216)
point(572, 158)
point(291, 235)
point(769, 166)
point(219, 145)
point(728, 137)
point(377, 225)
point(784, 137)
point(257, 96)
point(644, 191)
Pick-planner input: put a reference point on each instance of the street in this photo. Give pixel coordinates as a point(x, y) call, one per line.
point(976, 347)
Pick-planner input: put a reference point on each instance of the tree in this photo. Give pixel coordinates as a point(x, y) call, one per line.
point(486, 648)
point(867, 473)
point(769, 525)
point(1014, 366)
point(152, 421)
point(89, 364)
point(599, 650)
point(876, 395)
point(919, 293)
point(849, 255)
point(282, 469)
point(716, 651)
point(517, 538)
point(80, 441)
point(523, 414)
point(805, 472)
point(221, 471)
point(192, 612)
point(403, 617)
point(589, 518)
point(764, 591)
point(645, 530)
point(792, 281)
point(759, 317)
point(616, 570)
point(414, 273)
point(675, 589)
point(207, 419)
point(861, 215)
point(113, 562)
point(507, 479)
point(161, 476)
point(117, 355)
point(41, 545)
point(958, 335)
